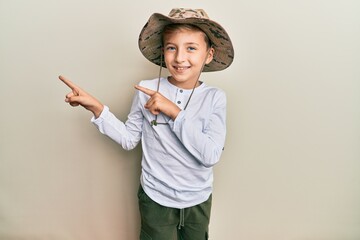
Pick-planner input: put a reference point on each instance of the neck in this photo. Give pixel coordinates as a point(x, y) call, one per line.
point(184, 85)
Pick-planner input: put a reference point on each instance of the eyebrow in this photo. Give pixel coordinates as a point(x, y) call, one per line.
point(187, 43)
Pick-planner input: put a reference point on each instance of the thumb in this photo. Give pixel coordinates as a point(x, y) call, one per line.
point(73, 100)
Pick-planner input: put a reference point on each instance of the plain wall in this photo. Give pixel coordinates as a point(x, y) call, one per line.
point(291, 165)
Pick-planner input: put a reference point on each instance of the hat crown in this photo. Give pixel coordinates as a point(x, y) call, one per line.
point(183, 13)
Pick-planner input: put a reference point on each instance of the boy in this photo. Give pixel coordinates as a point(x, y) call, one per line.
point(179, 120)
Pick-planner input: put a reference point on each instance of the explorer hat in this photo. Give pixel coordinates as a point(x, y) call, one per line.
point(150, 38)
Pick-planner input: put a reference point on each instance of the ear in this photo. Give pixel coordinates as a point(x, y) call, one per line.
point(210, 55)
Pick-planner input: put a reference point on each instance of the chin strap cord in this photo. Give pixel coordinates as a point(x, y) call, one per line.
point(154, 122)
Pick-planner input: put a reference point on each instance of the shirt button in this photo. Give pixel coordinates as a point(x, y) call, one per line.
point(178, 102)
point(181, 90)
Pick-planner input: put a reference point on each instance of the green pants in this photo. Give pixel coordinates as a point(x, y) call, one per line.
point(164, 223)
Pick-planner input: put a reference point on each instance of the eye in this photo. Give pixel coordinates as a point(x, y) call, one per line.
point(191, 48)
point(170, 48)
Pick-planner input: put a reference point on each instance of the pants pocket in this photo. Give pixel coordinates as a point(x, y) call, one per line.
point(144, 235)
point(141, 194)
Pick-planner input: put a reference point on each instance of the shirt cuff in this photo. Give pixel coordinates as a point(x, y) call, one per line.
point(103, 115)
point(176, 124)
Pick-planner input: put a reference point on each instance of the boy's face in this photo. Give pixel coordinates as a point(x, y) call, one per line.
point(185, 52)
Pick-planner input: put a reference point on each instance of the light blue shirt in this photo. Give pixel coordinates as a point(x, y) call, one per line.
point(178, 157)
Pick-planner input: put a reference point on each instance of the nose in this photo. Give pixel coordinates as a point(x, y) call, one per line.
point(180, 56)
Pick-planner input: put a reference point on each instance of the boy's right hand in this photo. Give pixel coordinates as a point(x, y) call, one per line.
point(77, 97)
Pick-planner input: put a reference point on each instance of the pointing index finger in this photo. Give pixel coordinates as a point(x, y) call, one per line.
point(68, 82)
point(145, 90)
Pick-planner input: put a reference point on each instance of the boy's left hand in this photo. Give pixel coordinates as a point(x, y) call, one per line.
point(158, 103)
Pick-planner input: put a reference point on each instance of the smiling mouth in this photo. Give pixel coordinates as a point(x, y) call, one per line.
point(181, 68)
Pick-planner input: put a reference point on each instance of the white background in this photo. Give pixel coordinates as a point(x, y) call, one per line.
point(291, 165)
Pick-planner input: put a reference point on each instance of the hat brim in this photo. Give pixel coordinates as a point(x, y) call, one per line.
point(150, 40)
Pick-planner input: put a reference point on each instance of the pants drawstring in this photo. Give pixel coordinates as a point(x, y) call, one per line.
point(182, 218)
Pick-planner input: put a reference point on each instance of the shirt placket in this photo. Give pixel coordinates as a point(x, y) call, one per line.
point(180, 99)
